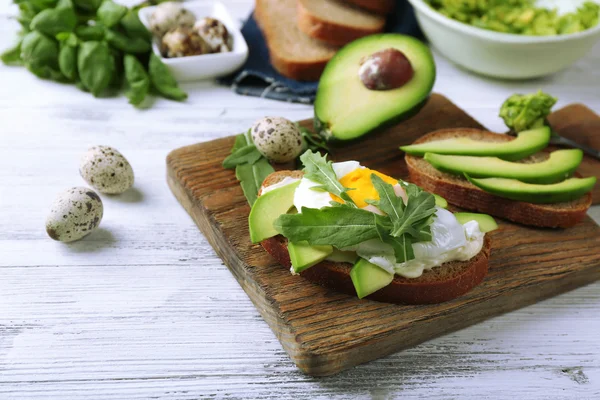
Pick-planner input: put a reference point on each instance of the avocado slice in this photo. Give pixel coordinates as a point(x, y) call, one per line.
point(513, 189)
point(267, 208)
point(369, 278)
point(304, 256)
point(440, 201)
point(560, 165)
point(527, 143)
point(346, 109)
point(486, 222)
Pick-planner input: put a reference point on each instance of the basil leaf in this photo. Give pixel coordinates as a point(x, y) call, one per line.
point(247, 154)
point(40, 55)
point(54, 20)
point(134, 27)
point(128, 45)
point(137, 80)
point(110, 13)
point(251, 177)
point(89, 6)
point(12, 56)
point(163, 81)
point(337, 226)
point(89, 33)
point(96, 66)
point(67, 61)
point(318, 169)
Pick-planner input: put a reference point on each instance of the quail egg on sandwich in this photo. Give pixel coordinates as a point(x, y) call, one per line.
point(450, 240)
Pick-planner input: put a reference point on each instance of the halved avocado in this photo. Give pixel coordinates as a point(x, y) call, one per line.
point(304, 256)
point(267, 208)
point(513, 189)
point(560, 165)
point(527, 143)
point(486, 222)
point(369, 278)
point(346, 109)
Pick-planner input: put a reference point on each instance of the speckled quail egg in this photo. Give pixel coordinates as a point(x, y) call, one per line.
point(75, 213)
point(277, 138)
point(106, 170)
point(168, 16)
point(215, 34)
point(182, 42)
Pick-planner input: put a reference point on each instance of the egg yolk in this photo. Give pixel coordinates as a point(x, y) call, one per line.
point(360, 181)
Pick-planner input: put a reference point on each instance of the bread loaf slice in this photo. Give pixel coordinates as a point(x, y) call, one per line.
point(437, 285)
point(376, 6)
point(335, 22)
point(460, 192)
point(292, 53)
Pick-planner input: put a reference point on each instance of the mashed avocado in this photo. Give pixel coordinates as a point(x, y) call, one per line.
point(518, 16)
point(521, 112)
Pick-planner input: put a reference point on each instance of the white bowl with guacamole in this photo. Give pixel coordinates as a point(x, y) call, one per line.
point(515, 43)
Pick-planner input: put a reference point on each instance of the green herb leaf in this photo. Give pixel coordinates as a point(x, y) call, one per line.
point(137, 78)
point(420, 206)
point(337, 226)
point(163, 81)
point(89, 6)
point(54, 20)
point(240, 141)
point(40, 55)
point(121, 42)
point(247, 154)
point(96, 66)
point(67, 61)
point(311, 141)
point(251, 177)
point(134, 27)
point(110, 13)
point(402, 245)
point(12, 56)
point(318, 169)
point(388, 202)
point(90, 33)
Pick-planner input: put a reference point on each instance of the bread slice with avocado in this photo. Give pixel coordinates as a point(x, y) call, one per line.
point(459, 191)
point(435, 285)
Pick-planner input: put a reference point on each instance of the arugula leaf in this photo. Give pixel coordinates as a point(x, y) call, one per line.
point(311, 141)
point(419, 207)
point(318, 169)
point(251, 177)
point(247, 154)
point(402, 245)
point(388, 202)
point(336, 226)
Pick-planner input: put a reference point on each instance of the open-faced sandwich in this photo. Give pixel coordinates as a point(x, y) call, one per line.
point(358, 231)
point(505, 176)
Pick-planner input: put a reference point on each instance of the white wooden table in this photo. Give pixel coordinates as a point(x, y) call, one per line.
point(143, 308)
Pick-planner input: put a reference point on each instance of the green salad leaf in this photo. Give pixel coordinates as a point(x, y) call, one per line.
point(318, 169)
point(336, 226)
point(521, 112)
point(247, 154)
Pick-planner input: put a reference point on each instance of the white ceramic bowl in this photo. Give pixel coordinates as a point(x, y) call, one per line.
point(502, 55)
point(205, 66)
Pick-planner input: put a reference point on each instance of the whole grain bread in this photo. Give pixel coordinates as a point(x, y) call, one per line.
point(336, 22)
point(292, 53)
point(437, 285)
point(460, 192)
point(376, 6)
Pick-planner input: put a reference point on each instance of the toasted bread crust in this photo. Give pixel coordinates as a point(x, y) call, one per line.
point(460, 192)
point(331, 32)
point(437, 285)
point(300, 68)
point(377, 6)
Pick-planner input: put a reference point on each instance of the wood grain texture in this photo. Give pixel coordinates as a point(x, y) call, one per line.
point(579, 123)
point(325, 332)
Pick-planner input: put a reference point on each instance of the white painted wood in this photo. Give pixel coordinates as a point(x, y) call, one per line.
point(143, 308)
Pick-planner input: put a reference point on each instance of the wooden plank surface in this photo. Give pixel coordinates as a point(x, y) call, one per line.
point(325, 332)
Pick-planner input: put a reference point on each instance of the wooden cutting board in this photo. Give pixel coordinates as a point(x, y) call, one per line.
point(325, 332)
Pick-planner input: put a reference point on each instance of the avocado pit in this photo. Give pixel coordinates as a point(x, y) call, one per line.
point(385, 70)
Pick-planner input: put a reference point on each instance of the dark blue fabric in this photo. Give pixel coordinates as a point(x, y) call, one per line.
point(258, 78)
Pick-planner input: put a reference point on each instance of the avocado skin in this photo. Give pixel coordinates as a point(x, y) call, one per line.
point(552, 171)
point(533, 193)
point(322, 128)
